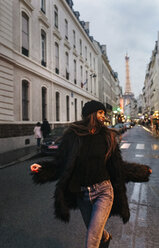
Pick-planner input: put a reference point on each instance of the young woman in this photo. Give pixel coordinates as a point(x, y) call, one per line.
point(37, 133)
point(92, 174)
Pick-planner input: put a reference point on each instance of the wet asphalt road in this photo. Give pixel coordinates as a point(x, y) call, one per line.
point(26, 210)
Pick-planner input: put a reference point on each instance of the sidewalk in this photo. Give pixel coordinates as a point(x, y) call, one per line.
point(11, 157)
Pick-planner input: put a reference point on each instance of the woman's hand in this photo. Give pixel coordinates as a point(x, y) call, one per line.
point(35, 167)
point(150, 171)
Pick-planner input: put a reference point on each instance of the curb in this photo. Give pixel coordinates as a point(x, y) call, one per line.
point(26, 157)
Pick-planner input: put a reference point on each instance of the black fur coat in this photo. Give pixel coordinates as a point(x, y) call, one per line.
point(61, 169)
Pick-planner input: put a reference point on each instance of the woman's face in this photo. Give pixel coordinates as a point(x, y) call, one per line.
point(101, 116)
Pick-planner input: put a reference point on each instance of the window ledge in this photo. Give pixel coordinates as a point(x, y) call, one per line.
point(86, 64)
point(28, 4)
point(67, 44)
point(57, 33)
point(75, 52)
point(81, 59)
point(44, 19)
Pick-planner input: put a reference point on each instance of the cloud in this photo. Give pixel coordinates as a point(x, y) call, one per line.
point(124, 26)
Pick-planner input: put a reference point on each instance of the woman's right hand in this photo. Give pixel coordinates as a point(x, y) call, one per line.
point(35, 167)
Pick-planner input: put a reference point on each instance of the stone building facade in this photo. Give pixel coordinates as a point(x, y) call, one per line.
point(151, 83)
point(110, 91)
point(47, 63)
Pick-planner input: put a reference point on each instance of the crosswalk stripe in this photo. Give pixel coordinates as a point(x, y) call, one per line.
point(139, 155)
point(125, 146)
point(140, 146)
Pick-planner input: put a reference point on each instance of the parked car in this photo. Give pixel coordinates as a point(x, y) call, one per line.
point(120, 127)
point(51, 143)
point(127, 125)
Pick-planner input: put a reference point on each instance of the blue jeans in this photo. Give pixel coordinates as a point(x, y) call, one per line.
point(38, 142)
point(95, 206)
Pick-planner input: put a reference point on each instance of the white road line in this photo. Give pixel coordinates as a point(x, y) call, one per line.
point(140, 146)
point(135, 193)
point(125, 146)
point(139, 155)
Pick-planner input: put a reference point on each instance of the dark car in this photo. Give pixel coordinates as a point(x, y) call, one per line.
point(120, 127)
point(51, 143)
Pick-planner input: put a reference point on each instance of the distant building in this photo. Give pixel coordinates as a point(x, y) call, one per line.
point(151, 83)
point(109, 89)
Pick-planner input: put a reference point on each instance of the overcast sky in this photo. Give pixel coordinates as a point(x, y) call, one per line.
point(124, 26)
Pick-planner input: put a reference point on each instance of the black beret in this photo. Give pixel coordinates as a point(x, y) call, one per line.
point(91, 107)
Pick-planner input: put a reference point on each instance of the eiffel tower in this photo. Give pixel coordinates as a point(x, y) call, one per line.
point(128, 95)
point(127, 83)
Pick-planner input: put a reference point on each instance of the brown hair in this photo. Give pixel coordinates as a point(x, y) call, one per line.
point(84, 127)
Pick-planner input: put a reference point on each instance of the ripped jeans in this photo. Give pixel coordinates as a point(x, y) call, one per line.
point(95, 205)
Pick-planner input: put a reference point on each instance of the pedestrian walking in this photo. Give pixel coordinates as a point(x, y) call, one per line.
point(157, 127)
point(45, 128)
point(37, 133)
point(91, 175)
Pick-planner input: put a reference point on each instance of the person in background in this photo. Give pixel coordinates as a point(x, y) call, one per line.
point(37, 133)
point(156, 127)
point(91, 175)
point(45, 128)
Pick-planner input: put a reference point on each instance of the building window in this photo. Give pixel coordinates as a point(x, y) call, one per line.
point(43, 47)
point(75, 109)
point(81, 75)
point(56, 58)
point(57, 106)
point(75, 72)
point(25, 34)
point(95, 86)
point(43, 6)
point(81, 106)
point(85, 53)
point(44, 103)
point(25, 100)
point(87, 80)
point(74, 39)
point(90, 59)
point(91, 84)
point(66, 29)
point(80, 47)
point(56, 16)
point(94, 64)
point(67, 108)
point(67, 65)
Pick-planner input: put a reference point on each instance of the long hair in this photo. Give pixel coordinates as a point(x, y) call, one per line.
point(84, 127)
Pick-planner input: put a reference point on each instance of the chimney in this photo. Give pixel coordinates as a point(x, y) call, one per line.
point(86, 26)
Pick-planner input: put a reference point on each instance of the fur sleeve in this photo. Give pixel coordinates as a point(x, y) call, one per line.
point(47, 173)
point(53, 169)
point(135, 172)
point(130, 171)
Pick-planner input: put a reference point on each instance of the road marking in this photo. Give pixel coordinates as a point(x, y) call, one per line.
point(125, 146)
point(140, 146)
point(136, 192)
point(139, 155)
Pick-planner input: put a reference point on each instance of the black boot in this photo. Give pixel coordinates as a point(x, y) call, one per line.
point(106, 243)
